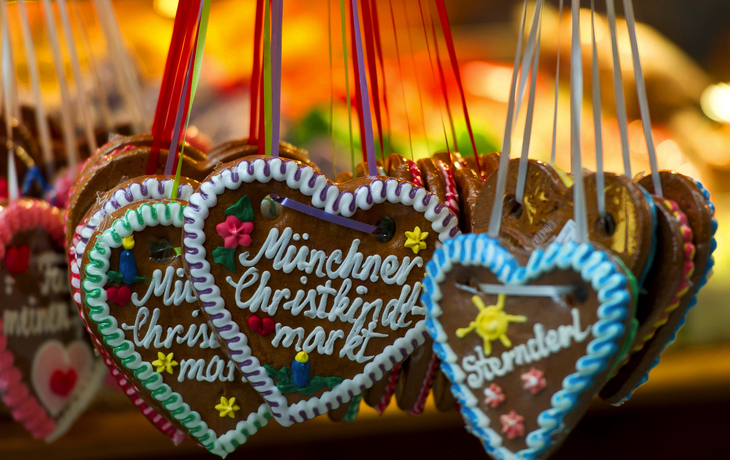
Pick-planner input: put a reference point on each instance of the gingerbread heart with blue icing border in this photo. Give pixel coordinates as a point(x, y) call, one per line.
point(48, 372)
point(341, 305)
point(525, 363)
point(144, 314)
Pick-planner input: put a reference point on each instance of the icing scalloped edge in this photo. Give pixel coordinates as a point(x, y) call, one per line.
point(594, 266)
point(22, 215)
point(705, 277)
point(138, 219)
point(325, 195)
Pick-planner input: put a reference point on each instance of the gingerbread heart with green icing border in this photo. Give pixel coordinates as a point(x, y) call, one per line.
point(48, 372)
point(526, 338)
point(343, 303)
point(144, 313)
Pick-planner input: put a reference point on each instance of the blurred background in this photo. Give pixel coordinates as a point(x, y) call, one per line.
point(685, 51)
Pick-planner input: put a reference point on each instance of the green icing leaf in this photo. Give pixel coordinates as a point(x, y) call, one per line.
point(242, 209)
point(285, 382)
point(353, 409)
point(226, 257)
point(178, 250)
point(116, 277)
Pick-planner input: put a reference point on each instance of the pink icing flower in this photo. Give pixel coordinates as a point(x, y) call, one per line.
point(234, 232)
point(534, 381)
point(512, 424)
point(493, 396)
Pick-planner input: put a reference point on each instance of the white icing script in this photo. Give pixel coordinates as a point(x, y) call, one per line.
point(324, 301)
point(484, 368)
point(147, 333)
point(31, 320)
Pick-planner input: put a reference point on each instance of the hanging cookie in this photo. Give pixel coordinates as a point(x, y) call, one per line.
point(332, 284)
point(143, 311)
point(49, 371)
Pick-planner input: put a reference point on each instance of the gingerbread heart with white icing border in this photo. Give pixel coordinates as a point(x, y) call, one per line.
point(158, 338)
point(336, 334)
point(525, 363)
point(48, 373)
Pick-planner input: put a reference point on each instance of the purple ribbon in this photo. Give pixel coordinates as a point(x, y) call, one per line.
point(277, 14)
point(320, 214)
point(364, 95)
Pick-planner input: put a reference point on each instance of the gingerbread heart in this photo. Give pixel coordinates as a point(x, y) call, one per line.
point(48, 374)
point(526, 339)
point(694, 202)
point(344, 300)
point(159, 340)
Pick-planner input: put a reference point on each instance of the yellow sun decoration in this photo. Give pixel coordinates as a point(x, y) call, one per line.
point(491, 323)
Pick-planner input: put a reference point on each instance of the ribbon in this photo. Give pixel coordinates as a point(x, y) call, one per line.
point(576, 108)
point(267, 79)
point(84, 106)
point(418, 78)
point(618, 87)
point(596, 83)
point(446, 28)
point(527, 135)
point(364, 99)
point(198, 58)
point(379, 47)
point(347, 82)
point(8, 86)
point(256, 73)
point(435, 79)
point(522, 291)
point(373, 69)
point(553, 149)
point(320, 214)
point(178, 59)
point(495, 219)
point(126, 76)
point(400, 72)
point(40, 109)
point(332, 88)
point(643, 99)
point(442, 80)
point(67, 122)
point(276, 33)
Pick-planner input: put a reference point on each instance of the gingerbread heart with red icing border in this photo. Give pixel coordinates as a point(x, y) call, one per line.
point(526, 338)
point(358, 317)
point(48, 372)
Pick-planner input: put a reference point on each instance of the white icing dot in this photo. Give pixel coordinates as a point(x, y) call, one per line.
point(303, 279)
point(296, 237)
point(305, 236)
point(196, 313)
point(361, 290)
point(180, 272)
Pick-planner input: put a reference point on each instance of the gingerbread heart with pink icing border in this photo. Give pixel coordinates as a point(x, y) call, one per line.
point(48, 372)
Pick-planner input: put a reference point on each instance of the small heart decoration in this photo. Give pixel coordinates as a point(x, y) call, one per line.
point(351, 329)
point(524, 365)
point(159, 341)
point(63, 381)
point(119, 295)
point(262, 326)
point(17, 258)
point(48, 372)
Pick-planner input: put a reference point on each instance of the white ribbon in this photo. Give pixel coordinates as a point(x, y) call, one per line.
point(618, 86)
point(576, 106)
point(600, 177)
point(557, 87)
point(522, 291)
point(8, 85)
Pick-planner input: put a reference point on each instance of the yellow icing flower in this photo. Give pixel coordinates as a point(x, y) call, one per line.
point(227, 407)
point(491, 323)
point(415, 240)
point(164, 363)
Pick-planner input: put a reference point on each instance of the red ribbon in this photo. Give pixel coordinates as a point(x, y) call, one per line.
point(176, 66)
point(379, 47)
point(256, 73)
point(358, 90)
point(373, 69)
point(446, 28)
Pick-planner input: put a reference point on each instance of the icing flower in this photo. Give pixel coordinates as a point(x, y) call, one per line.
point(534, 380)
point(164, 363)
point(227, 407)
point(493, 396)
point(512, 424)
point(415, 240)
point(234, 232)
point(491, 323)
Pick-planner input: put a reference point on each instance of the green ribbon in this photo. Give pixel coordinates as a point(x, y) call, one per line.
point(347, 82)
point(267, 78)
point(199, 48)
